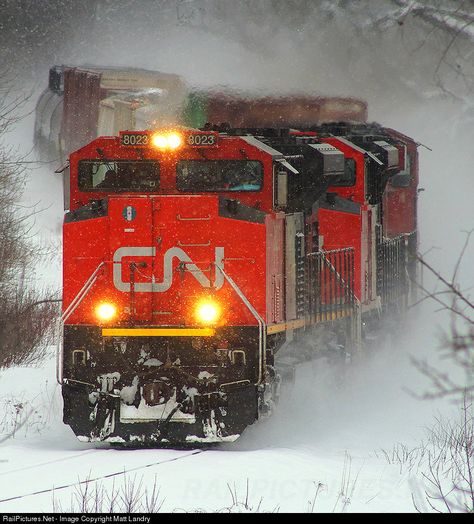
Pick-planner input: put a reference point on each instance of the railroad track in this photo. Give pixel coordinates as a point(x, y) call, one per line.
point(62, 459)
point(101, 477)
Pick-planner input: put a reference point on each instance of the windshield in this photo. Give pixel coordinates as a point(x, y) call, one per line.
point(197, 176)
point(117, 176)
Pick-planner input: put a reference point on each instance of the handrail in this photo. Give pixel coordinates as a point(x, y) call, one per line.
point(66, 314)
point(356, 322)
point(179, 217)
point(261, 323)
point(81, 294)
point(341, 280)
point(345, 284)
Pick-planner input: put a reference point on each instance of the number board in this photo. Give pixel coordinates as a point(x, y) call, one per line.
point(203, 139)
point(191, 139)
point(137, 139)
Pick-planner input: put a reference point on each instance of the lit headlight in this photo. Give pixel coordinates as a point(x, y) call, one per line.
point(105, 311)
point(159, 141)
point(208, 312)
point(167, 140)
point(174, 140)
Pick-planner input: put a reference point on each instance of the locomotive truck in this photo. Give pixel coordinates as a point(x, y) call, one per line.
point(194, 257)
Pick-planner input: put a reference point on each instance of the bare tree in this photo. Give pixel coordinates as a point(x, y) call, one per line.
point(448, 474)
point(458, 341)
point(451, 24)
point(26, 313)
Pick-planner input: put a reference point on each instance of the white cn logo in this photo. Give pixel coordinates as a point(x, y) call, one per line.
point(161, 287)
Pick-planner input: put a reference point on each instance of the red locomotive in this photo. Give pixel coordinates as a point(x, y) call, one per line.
point(192, 257)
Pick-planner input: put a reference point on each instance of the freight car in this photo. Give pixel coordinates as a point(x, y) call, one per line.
point(81, 103)
point(192, 257)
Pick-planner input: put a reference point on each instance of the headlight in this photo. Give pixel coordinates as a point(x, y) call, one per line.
point(159, 141)
point(167, 140)
point(174, 140)
point(105, 311)
point(208, 312)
